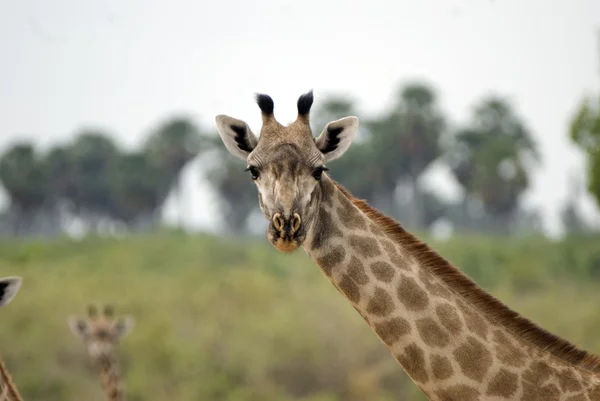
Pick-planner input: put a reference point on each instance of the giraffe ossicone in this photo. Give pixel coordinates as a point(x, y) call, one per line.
point(454, 340)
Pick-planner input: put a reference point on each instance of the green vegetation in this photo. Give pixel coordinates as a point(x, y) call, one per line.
point(239, 321)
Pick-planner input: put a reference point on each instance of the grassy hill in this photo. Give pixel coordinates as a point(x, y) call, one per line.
point(235, 320)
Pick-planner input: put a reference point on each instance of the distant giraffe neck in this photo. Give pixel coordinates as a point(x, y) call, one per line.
point(455, 341)
point(8, 387)
point(110, 378)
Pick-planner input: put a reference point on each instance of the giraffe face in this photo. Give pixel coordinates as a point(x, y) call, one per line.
point(287, 163)
point(101, 334)
point(9, 286)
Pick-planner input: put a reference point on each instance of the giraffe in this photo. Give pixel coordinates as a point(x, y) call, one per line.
point(455, 341)
point(101, 334)
point(9, 286)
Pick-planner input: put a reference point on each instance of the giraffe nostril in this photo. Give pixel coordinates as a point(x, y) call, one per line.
point(296, 221)
point(278, 222)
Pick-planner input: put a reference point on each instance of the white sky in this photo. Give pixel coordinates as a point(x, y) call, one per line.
point(126, 65)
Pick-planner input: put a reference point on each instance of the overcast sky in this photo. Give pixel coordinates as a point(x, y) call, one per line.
point(124, 65)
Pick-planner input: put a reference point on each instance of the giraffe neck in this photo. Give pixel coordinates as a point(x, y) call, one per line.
point(8, 387)
point(110, 378)
point(453, 340)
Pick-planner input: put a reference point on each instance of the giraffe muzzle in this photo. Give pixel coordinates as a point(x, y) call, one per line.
point(287, 227)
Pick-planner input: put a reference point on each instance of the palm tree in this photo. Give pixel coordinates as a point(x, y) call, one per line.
point(25, 181)
point(171, 147)
point(406, 141)
point(490, 158)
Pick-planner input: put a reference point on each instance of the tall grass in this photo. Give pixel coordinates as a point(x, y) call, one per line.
point(239, 321)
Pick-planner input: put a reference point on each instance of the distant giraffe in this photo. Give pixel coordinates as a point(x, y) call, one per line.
point(101, 334)
point(9, 286)
point(454, 340)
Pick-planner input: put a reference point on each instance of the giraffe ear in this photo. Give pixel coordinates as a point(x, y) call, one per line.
point(123, 326)
point(337, 137)
point(236, 135)
point(9, 286)
point(78, 326)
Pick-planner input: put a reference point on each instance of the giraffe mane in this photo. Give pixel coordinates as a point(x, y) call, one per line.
point(462, 285)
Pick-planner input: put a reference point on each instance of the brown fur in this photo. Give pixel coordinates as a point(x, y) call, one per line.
point(7, 382)
point(491, 307)
point(110, 379)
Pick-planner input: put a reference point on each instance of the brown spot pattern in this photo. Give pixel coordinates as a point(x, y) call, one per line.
point(349, 289)
point(330, 260)
point(365, 246)
point(383, 271)
point(459, 392)
point(506, 352)
point(431, 333)
point(413, 362)
point(441, 367)
point(538, 373)
point(449, 318)
point(594, 393)
point(474, 321)
point(351, 218)
point(434, 286)
point(503, 384)
point(440, 291)
point(568, 382)
point(397, 259)
point(426, 257)
point(327, 192)
point(391, 330)
point(381, 304)
point(374, 228)
point(390, 248)
point(579, 397)
point(411, 295)
point(325, 229)
point(531, 392)
point(356, 270)
point(473, 358)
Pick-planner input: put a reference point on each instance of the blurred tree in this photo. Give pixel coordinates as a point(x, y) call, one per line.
point(60, 170)
point(572, 221)
point(135, 186)
point(489, 160)
point(92, 155)
point(171, 147)
point(25, 182)
point(405, 142)
point(585, 133)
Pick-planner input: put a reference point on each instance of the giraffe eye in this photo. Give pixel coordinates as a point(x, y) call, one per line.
point(318, 172)
point(253, 172)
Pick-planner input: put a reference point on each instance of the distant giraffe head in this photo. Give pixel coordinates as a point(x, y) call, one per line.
point(286, 164)
point(101, 332)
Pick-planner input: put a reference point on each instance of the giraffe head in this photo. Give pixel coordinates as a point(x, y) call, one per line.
point(9, 286)
point(101, 332)
point(286, 164)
